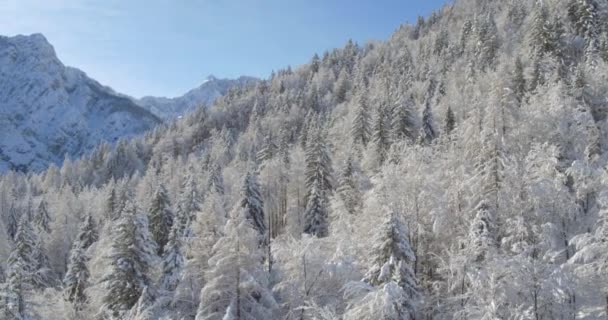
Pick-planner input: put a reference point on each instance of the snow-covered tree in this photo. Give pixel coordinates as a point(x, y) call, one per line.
point(403, 121)
point(76, 279)
point(389, 289)
point(428, 125)
point(252, 202)
point(160, 217)
point(237, 286)
point(360, 128)
point(173, 261)
point(88, 234)
point(42, 218)
point(130, 258)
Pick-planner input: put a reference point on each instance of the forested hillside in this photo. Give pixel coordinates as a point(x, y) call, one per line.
point(454, 171)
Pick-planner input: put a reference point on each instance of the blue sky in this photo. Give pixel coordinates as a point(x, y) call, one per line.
point(166, 47)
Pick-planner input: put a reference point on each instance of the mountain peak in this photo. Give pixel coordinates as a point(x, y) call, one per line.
point(210, 78)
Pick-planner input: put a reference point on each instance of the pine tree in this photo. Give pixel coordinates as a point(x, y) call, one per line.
point(360, 129)
point(160, 217)
point(173, 261)
point(76, 279)
point(237, 286)
point(131, 257)
point(88, 234)
point(450, 121)
point(403, 122)
point(42, 219)
point(252, 202)
point(428, 125)
point(393, 289)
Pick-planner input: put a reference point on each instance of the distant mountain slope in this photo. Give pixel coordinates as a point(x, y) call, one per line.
point(205, 94)
point(48, 110)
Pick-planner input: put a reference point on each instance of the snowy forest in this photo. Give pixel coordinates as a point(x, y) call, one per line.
point(454, 171)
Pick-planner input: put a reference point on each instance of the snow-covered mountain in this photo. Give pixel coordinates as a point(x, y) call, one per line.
point(205, 94)
point(48, 110)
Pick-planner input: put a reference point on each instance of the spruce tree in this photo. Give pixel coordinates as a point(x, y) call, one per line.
point(131, 257)
point(604, 46)
point(268, 151)
point(173, 261)
point(518, 82)
point(403, 122)
point(482, 232)
point(88, 234)
point(319, 185)
point(237, 286)
point(428, 125)
point(315, 215)
point(450, 121)
point(252, 202)
point(76, 279)
point(393, 289)
point(347, 187)
point(381, 135)
point(42, 219)
point(25, 251)
point(583, 16)
point(216, 180)
point(160, 217)
point(360, 129)
point(12, 223)
point(13, 294)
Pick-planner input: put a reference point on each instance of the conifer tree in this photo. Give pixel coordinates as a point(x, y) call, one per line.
point(583, 16)
point(319, 185)
point(252, 203)
point(144, 308)
point(347, 187)
point(76, 279)
point(390, 289)
point(238, 284)
point(42, 219)
point(173, 261)
point(450, 121)
point(160, 217)
point(360, 129)
point(13, 294)
point(131, 257)
point(381, 135)
point(12, 223)
point(25, 251)
point(268, 151)
point(403, 122)
point(482, 232)
point(88, 234)
point(428, 125)
point(518, 82)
